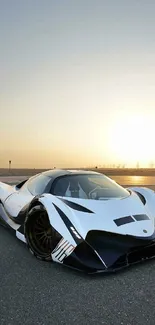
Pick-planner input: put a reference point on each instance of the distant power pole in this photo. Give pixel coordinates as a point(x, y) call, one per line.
point(9, 165)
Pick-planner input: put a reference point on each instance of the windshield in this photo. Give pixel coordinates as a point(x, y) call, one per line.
point(90, 186)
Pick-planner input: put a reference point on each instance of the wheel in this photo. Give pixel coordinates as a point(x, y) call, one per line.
point(41, 237)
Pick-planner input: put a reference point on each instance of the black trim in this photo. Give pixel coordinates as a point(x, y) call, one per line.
point(122, 221)
point(140, 217)
point(20, 219)
point(111, 247)
point(76, 206)
point(21, 229)
point(19, 185)
point(14, 219)
point(4, 217)
point(85, 259)
point(141, 197)
point(69, 225)
point(21, 215)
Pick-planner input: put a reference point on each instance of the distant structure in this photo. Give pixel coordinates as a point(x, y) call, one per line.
point(137, 166)
point(9, 165)
point(151, 165)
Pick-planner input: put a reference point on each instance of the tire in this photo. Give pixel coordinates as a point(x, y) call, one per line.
point(41, 237)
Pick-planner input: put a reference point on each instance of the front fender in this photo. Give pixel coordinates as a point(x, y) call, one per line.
point(59, 216)
point(149, 196)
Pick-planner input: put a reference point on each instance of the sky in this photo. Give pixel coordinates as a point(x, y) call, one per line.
point(77, 83)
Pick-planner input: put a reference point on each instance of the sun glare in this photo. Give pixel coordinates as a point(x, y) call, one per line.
point(131, 139)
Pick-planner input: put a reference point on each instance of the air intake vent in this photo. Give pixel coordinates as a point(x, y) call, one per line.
point(142, 198)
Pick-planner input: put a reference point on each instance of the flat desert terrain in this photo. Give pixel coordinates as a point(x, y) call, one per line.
point(125, 177)
point(106, 171)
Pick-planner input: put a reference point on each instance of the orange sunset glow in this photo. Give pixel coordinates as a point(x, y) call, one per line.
point(77, 85)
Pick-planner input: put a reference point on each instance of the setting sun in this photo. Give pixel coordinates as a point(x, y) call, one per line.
point(131, 139)
point(77, 89)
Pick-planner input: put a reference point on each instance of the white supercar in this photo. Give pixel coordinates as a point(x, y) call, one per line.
point(81, 219)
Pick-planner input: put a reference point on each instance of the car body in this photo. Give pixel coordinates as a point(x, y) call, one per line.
point(81, 219)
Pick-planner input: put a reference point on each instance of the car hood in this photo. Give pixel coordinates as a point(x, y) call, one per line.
point(127, 216)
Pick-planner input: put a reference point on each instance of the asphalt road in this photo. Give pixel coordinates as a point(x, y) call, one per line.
point(33, 292)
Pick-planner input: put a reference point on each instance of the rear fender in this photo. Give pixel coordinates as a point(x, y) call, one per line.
point(5, 191)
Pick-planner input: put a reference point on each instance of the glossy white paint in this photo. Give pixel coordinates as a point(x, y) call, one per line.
point(20, 236)
point(5, 191)
point(105, 212)
point(17, 201)
point(56, 221)
point(14, 200)
point(8, 220)
point(62, 250)
point(102, 218)
point(150, 198)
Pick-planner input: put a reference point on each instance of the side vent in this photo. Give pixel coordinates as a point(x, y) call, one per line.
point(142, 198)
